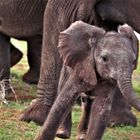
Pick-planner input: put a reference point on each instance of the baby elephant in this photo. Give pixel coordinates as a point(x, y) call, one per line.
point(99, 62)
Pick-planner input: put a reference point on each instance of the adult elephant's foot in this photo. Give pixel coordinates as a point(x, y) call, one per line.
point(64, 131)
point(122, 119)
point(36, 112)
point(81, 136)
point(121, 113)
point(31, 77)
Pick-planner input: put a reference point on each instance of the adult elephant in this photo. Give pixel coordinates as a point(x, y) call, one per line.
point(62, 13)
point(21, 19)
point(114, 12)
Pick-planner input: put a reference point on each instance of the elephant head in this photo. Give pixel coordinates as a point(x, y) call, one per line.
point(90, 51)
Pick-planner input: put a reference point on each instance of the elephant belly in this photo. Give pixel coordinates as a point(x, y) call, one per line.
point(21, 18)
point(20, 31)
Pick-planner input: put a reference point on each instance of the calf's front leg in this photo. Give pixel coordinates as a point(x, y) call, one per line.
point(59, 110)
point(100, 111)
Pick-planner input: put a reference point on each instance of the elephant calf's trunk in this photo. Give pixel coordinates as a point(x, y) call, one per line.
point(128, 92)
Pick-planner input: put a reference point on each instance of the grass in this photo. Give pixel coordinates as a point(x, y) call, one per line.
point(13, 129)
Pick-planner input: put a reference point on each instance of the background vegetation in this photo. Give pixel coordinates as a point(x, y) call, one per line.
point(13, 129)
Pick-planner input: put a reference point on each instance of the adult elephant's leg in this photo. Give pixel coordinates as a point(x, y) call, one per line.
point(55, 21)
point(100, 111)
point(83, 125)
point(15, 55)
point(50, 71)
point(34, 60)
point(4, 59)
point(121, 113)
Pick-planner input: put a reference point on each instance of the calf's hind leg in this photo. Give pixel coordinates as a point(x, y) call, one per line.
point(64, 130)
point(83, 125)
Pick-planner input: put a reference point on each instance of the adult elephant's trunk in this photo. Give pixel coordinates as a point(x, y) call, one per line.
point(126, 88)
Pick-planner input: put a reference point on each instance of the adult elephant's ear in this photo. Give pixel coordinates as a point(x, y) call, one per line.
point(75, 48)
point(129, 32)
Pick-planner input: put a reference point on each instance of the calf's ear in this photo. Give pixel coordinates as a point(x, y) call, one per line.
point(129, 32)
point(75, 48)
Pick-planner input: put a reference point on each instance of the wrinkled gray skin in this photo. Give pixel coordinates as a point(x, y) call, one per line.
point(62, 13)
point(99, 62)
point(21, 19)
point(50, 69)
point(114, 12)
point(120, 113)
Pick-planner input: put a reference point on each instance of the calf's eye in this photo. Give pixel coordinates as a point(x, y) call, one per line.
point(104, 59)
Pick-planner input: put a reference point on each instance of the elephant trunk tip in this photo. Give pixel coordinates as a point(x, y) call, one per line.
point(129, 94)
point(136, 104)
point(133, 100)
